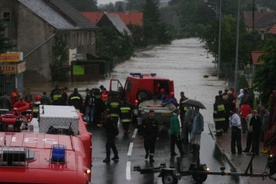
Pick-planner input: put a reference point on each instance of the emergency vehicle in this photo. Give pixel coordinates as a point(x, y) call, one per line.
point(54, 148)
point(139, 87)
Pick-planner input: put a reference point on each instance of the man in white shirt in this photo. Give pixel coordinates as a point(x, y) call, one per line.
point(235, 124)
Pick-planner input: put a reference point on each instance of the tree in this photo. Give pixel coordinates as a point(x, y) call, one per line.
point(134, 5)
point(265, 76)
point(154, 28)
point(5, 43)
point(59, 71)
point(111, 44)
point(84, 5)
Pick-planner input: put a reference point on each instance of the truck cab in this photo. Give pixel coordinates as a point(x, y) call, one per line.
point(139, 87)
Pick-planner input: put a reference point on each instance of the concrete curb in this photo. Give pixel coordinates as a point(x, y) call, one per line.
point(211, 129)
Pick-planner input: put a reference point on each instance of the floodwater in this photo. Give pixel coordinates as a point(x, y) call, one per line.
point(184, 61)
point(191, 68)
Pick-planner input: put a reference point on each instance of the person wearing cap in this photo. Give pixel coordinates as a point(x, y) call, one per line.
point(111, 129)
point(150, 132)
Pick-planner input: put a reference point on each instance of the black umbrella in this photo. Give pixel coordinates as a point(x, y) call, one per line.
point(193, 103)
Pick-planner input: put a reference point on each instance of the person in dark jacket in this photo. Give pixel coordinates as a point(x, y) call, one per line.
point(100, 107)
point(150, 132)
point(125, 116)
point(5, 102)
point(45, 100)
point(56, 95)
point(256, 123)
point(64, 96)
point(112, 131)
point(183, 108)
point(219, 115)
point(90, 102)
point(75, 99)
point(113, 107)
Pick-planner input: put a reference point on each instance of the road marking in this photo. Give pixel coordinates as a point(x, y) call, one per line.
point(128, 166)
point(134, 133)
point(130, 149)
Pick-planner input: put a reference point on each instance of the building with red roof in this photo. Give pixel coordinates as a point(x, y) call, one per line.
point(129, 18)
point(272, 30)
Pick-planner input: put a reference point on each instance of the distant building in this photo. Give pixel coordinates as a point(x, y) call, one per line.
point(33, 26)
point(263, 20)
point(129, 18)
point(113, 20)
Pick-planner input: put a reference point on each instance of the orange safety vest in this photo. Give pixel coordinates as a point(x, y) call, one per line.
point(104, 97)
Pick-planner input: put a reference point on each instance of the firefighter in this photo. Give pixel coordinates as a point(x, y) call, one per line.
point(219, 115)
point(75, 99)
point(150, 132)
point(125, 115)
point(113, 107)
point(112, 131)
point(36, 104)
point(56, 95)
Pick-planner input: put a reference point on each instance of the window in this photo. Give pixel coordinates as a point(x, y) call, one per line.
point(7, 16)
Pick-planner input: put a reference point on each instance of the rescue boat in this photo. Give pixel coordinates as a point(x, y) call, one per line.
point(53, 148)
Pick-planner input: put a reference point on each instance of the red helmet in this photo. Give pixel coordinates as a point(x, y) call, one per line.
point(38, 98)
point(171, 93)
point(162, 90)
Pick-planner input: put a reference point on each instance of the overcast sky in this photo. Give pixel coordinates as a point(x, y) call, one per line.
point(106, 1)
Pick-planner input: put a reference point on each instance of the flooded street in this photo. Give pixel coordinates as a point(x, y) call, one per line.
point(185, 62)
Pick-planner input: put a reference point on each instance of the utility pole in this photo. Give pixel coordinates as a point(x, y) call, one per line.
point(253, 15)
point(237, 47)
point(219, 44)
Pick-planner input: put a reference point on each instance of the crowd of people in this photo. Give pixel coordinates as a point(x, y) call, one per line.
point(239, 112)
point(236, 111)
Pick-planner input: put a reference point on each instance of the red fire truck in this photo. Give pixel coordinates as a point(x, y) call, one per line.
point(55, 148)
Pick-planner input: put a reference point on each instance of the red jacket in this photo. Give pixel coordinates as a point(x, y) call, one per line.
point(245, 109)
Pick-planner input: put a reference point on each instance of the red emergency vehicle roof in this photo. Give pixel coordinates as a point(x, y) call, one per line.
point(40, 169)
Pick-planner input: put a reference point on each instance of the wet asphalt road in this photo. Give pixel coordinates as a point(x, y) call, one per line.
point(185, 62)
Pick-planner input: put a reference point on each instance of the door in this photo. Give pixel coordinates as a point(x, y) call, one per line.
point(116, 88)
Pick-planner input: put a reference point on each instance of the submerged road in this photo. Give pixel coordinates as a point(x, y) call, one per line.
point(185, 62)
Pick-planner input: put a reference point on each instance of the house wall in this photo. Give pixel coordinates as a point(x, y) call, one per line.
point(35, 38)
point(33, 32)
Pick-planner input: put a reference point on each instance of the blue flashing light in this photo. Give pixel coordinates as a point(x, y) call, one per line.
point(135, 74)
point(153, 74)
point(58, 154)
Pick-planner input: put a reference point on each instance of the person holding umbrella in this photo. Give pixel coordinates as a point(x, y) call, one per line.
point(197, 129)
